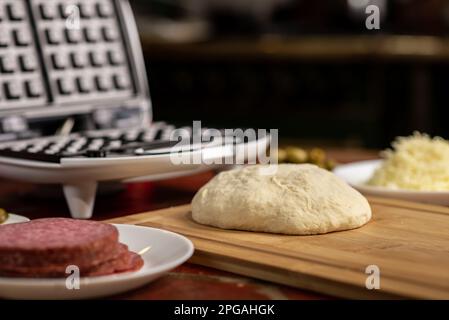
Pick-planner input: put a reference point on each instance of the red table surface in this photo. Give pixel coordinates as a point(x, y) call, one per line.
point(188, 281)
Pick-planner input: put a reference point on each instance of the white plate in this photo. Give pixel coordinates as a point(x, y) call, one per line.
point(358, 173)
point(15, 218)
point(167, 251)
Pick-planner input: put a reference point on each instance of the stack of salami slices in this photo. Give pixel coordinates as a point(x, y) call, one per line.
point(46, 247)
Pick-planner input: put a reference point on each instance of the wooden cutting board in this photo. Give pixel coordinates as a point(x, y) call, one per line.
point(408, 242)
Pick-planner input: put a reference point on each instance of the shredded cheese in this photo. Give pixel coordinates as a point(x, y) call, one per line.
point(417, 162)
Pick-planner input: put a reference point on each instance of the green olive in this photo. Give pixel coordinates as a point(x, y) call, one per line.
point(3, 215)
point(330, 164)
point(317, 156)
point(296, 155)
point(281, 155)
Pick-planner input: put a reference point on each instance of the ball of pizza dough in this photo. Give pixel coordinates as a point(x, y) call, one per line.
point(296, 199)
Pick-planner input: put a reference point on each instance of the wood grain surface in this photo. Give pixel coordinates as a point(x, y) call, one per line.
point(409, 243)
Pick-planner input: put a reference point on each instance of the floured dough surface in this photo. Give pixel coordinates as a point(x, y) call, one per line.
point(297, 199)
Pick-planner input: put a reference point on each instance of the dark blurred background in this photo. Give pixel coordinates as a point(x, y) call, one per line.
point(310, 68)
